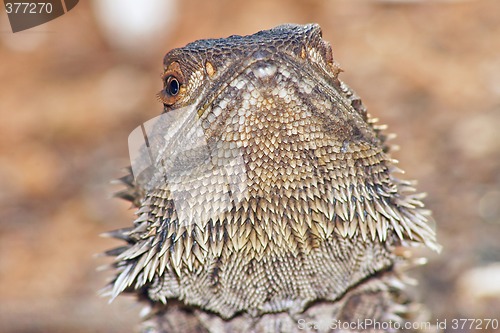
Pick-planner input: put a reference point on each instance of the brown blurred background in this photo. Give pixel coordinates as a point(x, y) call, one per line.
point(72, 90)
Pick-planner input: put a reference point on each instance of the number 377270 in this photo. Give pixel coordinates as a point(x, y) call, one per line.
point(474, 324)
point(28, 7)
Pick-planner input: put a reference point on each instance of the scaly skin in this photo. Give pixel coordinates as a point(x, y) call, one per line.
point(287, 216)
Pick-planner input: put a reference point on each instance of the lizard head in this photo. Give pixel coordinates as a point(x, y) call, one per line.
point(274, 90)
point(274, 64)
point(206, 67)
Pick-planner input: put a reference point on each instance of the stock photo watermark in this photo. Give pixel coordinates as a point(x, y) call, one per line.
point(204, 180)
point(24, 15)
point(462, 324)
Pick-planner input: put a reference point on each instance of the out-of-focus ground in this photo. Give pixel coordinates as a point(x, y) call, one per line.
point(70, 93)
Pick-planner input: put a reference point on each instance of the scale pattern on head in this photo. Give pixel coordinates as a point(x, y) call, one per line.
point(291, 198)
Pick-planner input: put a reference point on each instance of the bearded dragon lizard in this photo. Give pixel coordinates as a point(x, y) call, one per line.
point(269, 202)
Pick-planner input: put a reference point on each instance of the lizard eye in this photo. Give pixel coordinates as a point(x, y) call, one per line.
point(172, 86)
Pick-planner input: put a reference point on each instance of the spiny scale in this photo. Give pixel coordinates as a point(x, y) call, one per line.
point(297, 200)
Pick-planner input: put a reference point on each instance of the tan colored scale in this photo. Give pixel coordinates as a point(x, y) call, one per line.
point(291, 206)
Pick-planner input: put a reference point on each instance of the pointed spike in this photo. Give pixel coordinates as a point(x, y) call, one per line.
point(352, 209)
point(380, 231)
point(153, 268)
point(372, 225)
point(121, 283)
point(363, 231)
point(353, 227)
point(116, 251)
point(397, 228)
point(123, 234)
point(176, 257)
point(342, 228)
point(163, 298)
point(369, 209)
point(125, 195)
point(162, 265)
point(199, 253)
point(396, 283)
